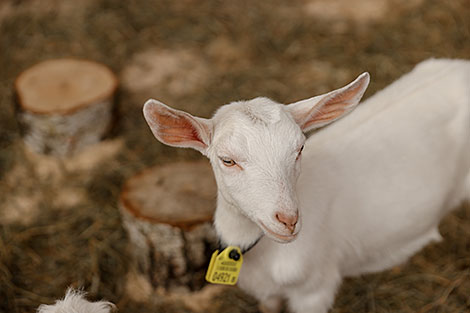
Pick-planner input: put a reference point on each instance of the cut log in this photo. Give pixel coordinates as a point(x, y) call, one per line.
point(64, 105)
point(167, 212)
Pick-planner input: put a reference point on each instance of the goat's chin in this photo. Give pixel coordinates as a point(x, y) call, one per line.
point(281, 238)
point(285, 239)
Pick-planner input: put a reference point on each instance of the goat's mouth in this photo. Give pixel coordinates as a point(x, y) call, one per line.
point(276, 236)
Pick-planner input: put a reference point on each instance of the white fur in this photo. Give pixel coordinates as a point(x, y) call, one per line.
point(372, 189)
point(75, 302)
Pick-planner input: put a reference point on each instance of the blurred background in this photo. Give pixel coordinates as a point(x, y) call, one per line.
point(59, 223)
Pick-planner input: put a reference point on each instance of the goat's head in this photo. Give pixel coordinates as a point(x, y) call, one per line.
point(255, 149)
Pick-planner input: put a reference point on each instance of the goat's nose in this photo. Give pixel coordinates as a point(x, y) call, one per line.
point(288, 220)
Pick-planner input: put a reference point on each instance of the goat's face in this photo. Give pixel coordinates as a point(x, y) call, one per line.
point(255, 153)
point(255, 147)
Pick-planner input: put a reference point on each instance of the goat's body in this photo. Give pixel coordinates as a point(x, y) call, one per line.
point(373, 188)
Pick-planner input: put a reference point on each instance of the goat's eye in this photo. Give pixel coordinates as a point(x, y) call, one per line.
point(228, 162)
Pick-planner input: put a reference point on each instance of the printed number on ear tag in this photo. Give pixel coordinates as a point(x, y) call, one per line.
point(225, 266)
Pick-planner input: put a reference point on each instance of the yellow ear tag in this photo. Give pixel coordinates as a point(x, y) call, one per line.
point(224, 267)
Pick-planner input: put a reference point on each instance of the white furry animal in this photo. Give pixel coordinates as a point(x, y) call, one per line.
point(75, 302)
point(372, 189)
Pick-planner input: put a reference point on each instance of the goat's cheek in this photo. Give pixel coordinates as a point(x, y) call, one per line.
point(234, 184)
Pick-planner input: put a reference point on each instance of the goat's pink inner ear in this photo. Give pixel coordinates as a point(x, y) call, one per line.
point(331, 108)
point(176, 128)
point(322, 110)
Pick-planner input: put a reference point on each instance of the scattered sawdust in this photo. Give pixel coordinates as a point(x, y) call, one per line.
point(228, 54)
point(360, 11)
point(43, 179)
point(21, 208)
point(137, 287)
point(53, 169)
point(93, 156)
point(201, 300)
point(17, 176)
point(68, 197)
point(23, 204)
point(45, 168)
point(176, 72)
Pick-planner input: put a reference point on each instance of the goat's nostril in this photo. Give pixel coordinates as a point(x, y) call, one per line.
point(279, 217)
point(288, 220)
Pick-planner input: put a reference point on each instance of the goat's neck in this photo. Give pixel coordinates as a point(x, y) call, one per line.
point(234, 228)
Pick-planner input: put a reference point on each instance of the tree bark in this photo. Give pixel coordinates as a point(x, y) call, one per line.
point(167, 212)
point(64, 105)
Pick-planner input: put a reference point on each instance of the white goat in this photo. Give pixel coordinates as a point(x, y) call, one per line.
point(372, 190)
point(75, 302)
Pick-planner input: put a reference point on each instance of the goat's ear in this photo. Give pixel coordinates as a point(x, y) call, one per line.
point(321, 110)
point(177, 128)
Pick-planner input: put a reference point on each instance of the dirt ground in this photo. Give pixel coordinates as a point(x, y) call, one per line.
point(59, 224)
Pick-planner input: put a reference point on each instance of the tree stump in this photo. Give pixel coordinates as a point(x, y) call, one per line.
point(64, 105)
point(167, 212)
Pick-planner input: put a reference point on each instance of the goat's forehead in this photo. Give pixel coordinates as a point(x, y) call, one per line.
point(256, 122)
point(255, 111)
